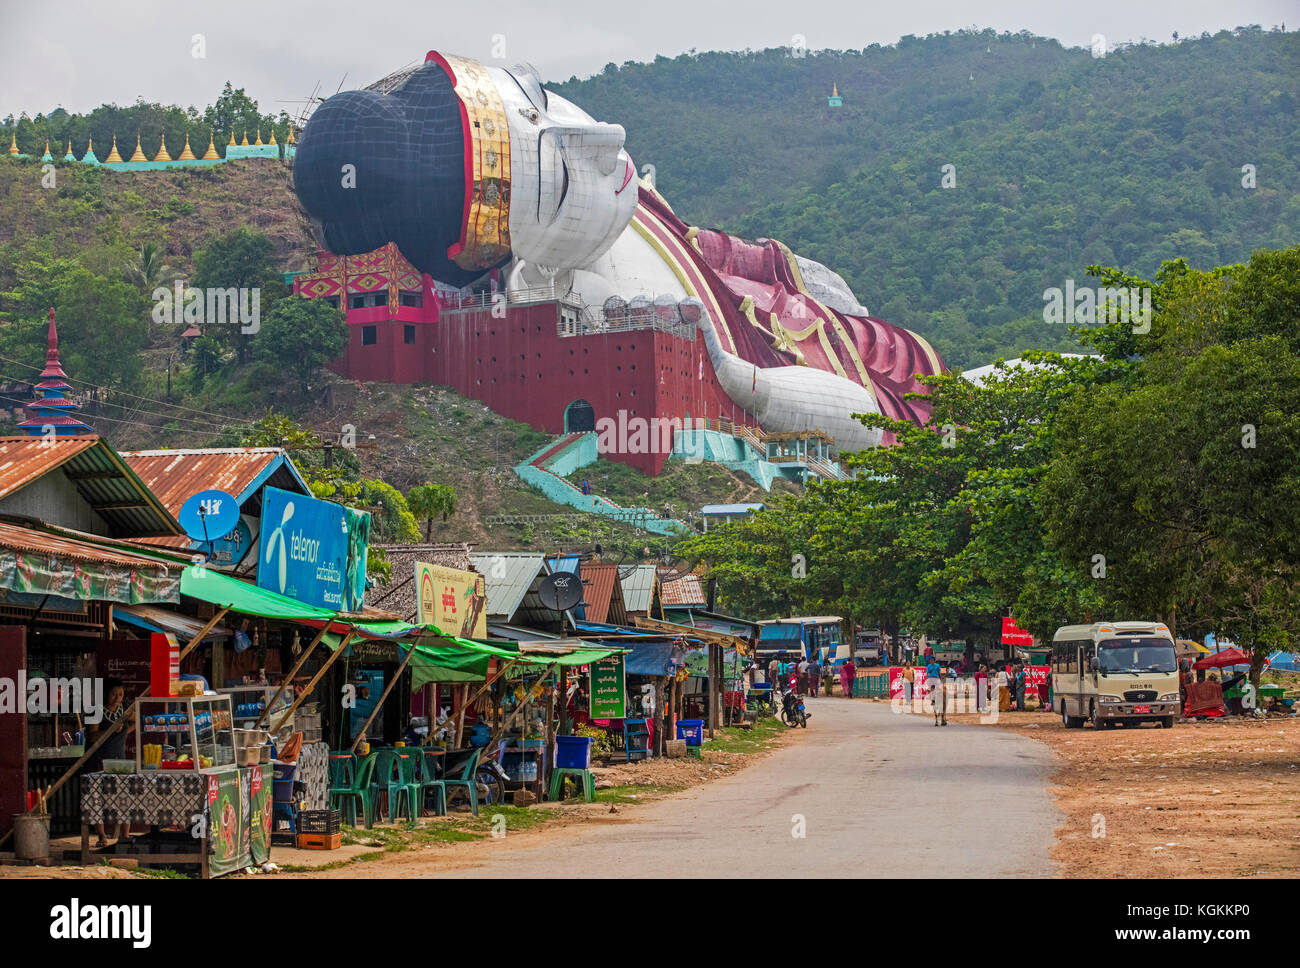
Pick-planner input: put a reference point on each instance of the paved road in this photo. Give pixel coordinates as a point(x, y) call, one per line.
point(882, 795)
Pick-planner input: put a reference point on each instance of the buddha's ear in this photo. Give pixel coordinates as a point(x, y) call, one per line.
point(599, 141)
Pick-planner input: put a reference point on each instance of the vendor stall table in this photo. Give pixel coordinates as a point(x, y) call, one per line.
point(513, 760)
point(226, 811)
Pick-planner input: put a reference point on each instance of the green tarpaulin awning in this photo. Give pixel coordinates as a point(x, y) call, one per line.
point(438, 657)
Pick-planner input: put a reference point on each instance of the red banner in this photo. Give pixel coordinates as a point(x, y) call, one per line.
point(1015, 636)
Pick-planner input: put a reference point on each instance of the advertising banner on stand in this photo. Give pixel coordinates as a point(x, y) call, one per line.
point(451, 599)
point(608, 688)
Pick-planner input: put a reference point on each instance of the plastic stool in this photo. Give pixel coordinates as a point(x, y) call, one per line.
point(693, 751)
point(585, 776)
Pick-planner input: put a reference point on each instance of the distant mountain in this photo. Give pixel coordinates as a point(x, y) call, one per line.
point(1060, 159)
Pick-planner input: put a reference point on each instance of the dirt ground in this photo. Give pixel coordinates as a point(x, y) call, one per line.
point(1214, 799)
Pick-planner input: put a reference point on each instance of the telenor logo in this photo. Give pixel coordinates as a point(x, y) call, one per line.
point(102, 922)
point(276, 543)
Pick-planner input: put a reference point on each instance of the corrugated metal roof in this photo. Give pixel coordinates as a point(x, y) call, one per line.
point(176, 475)
point(683, 590)
point(510, 576)
point(102, 478)
point(602, 594)
point(730, 508)
point(20, 538)
point(639, 588)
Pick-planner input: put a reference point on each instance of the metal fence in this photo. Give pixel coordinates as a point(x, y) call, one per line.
point(871, 686)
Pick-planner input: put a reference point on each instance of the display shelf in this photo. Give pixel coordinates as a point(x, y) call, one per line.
point(199, 728)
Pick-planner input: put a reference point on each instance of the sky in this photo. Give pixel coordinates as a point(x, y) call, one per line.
point(79, 55)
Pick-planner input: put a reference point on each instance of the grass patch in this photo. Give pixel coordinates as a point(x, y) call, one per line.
point(631, 793)
point(161, 873)
point(761, 736)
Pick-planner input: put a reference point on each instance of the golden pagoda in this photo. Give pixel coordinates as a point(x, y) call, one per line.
point(245, 141)
point(69, 156)
point(290, 141)
point(259, 136)
point(272, 141)
point(211, 153)
point(186, 154)
point(138, 154)
point(162, 149)
point(232, 138)
point(115, 158)
point(13, 142)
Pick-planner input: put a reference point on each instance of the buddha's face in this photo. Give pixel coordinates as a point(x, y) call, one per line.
point(573, 187)
point(465, 166)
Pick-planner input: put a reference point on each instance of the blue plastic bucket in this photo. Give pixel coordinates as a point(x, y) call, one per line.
point(691, 730)
point(573, 752)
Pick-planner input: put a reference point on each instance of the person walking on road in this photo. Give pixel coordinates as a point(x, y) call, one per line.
point(803, 676)
point(909, 681)
point(774, 671)
point(814, 676)
point(847, 673)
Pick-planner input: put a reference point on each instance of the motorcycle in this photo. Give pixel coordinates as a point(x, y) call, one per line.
point(490, 778)
point(793, 712)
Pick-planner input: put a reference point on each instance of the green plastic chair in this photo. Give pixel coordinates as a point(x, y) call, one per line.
point(467, 781)
point(403, 788)
point(380, 779)
point(426, 778)
point(350, 785)
point(585, 778)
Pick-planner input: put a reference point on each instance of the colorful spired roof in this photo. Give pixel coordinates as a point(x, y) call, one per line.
point(51, 408)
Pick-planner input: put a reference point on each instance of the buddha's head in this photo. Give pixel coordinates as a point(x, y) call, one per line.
point(463, 166)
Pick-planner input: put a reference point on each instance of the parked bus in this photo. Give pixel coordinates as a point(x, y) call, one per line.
point(1115, 672)
point(803, 637)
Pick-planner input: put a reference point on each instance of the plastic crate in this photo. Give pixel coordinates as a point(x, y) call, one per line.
point(691, 730)
point(320, 841)
point(318, 821)
point(573, 752)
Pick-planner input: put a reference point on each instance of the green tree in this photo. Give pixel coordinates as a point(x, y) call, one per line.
point(431, 501)
point(300, 335)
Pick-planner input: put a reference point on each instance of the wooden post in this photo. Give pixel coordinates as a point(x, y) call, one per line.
point(314, 679)
point(464, 707)
point(563, 687)
point(392, 684)
point(660, 718)
point(548, 741)
point(288, 678)
point(198, 636)
point(713, 690)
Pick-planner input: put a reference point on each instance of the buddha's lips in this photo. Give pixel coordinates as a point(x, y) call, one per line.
point(628, 174)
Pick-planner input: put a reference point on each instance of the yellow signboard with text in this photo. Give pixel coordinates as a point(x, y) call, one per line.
point(453, 600)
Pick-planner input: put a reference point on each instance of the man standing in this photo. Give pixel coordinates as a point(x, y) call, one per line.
point(803, 676)
point(773, 671)
point(814, 676)
point(909, 680)
point(938, 694)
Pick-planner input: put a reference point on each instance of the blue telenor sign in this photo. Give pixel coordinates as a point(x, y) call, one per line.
point(303, 552)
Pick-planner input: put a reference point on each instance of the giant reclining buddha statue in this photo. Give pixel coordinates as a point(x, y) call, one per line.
point(470, 168)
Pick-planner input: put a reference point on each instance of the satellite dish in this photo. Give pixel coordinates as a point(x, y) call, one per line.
point(209, 515)
point(561, 591)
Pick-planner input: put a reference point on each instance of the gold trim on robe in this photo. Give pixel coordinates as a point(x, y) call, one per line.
point(485, 236)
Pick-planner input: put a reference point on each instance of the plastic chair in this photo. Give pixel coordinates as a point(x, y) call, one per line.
point(466, 780)
point(350, 785)
point(585, 777)
point(380, 780)
point(426, 779)
point(403, 789)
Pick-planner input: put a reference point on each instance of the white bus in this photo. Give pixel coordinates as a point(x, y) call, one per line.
point(1115, 672)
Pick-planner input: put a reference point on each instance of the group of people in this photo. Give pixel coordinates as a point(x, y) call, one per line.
point(810, 676)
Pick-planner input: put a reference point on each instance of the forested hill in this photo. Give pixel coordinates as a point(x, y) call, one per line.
point(1061, 159)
